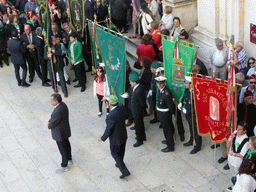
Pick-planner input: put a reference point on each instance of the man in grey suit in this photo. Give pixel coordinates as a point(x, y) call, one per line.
point(60, 128)
point(17, 50)
point(117, 134)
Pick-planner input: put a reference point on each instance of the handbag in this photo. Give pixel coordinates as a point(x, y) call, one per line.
point(137, 65)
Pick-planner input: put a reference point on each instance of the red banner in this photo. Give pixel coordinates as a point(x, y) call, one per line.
point(211, 104)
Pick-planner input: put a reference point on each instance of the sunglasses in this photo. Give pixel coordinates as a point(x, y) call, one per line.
point(252, 82)
point(251, 63)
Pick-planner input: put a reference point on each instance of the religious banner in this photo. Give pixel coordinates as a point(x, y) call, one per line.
point(76, 15)
point(113, 53)
point(178, 60)
point(95, 47)
point(211, 102)
point(45, 20)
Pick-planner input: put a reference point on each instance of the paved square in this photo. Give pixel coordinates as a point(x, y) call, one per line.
point(29, 156)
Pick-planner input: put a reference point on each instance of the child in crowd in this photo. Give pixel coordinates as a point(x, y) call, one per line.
point(100, 88)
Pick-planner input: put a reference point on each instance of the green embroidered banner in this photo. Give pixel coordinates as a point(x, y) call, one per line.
point(113, 53)
point(95, 47)
point(176, 69)
point(76, 15)
point(45, 20)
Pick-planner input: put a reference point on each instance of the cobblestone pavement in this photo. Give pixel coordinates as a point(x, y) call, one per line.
point(29, 156)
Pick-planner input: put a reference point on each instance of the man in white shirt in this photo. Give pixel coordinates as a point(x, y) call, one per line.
point(218, 57)
point(238, 146)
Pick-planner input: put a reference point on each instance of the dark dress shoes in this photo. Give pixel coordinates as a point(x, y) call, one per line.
point(25, 84)
point(48, 80)
point(78, 85)
point(182, 138)
point(19, 83)
point(137, 144)
point(154, 121)
point(164, 141)
point(166, 150)
point(194, 151)
point(68, 82)
point(215, 145)
point(75, 80)
point(189, 143)
point(132, 128)
point(31, 80)
point(124, 175)
point(222, 159)
point(1, 65)
point(83, 89)
point(226, 167)
point(46, 85)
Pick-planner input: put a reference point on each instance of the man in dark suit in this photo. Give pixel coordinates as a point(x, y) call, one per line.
point(20, 4)
point(17, 50)
point(60, 129)
point(88, 9)
point(138, 107)
point(101, 12)
point(39, 45)
point(31, 56)
point(55, 65)
point(187, 108)
point(117, 134)
point(165, 109)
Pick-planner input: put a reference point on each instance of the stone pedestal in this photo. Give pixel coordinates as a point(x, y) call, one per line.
point(220, 19)
point(186, 10)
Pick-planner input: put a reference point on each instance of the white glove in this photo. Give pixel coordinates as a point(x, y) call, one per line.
point(184, 110)
point(149, 93)
point(180, 106)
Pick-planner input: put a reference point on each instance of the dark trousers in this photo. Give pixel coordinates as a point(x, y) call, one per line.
point(117, 152)
point(80, 73)
point(181, 130)
point(120, 24)
point(128, 111)
point(4, 57)
point(166, 121)
point(17, 72)
point(53, 77)
point(65, 151)
point(100, 103)
point(139, 127)
point(43, 64)
point(154, 105)
point(193, 131)
point(33, 64)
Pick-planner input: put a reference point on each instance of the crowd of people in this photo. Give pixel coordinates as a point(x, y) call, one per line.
point(22, 37)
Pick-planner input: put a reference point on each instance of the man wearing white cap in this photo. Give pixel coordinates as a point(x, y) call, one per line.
point(165, 109)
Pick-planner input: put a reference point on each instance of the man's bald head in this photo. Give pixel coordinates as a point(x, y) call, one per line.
point(27, 29)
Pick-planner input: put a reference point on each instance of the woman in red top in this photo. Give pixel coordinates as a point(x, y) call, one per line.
point(145, 49)
point(156, 34)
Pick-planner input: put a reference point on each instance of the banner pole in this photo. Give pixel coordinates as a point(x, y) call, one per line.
point(53, 75)
point(106, 29)
point(209, 77)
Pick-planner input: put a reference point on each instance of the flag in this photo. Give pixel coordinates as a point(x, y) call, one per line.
point(211, 101)
point(76, 15)
point(45, 20)
point(113, 53)
point(178, 60)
